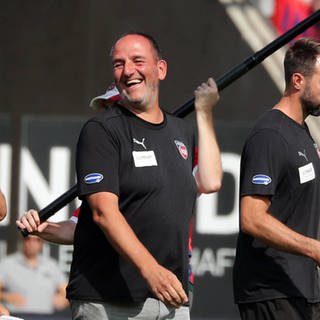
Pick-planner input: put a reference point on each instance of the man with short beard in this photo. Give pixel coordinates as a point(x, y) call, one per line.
point(278, 251)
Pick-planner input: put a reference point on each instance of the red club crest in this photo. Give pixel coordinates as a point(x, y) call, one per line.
point(182, 149)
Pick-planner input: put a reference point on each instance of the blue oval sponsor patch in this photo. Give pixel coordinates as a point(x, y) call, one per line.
point(93, 178)
point(261, 179)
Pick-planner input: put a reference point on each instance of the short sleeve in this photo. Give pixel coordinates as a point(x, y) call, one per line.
point(97, 160)
point(263, 162)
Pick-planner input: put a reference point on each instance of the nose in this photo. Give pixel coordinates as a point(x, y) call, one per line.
point(128, 68)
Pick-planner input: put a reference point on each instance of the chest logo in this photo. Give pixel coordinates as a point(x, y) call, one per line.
point(303, 154)
point(182, 149)
point(261, 179)
point(141, 143)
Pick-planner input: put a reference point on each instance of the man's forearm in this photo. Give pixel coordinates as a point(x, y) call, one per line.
point(163, 283)
point(61, 232)
point(209, 174)
point(256, 221)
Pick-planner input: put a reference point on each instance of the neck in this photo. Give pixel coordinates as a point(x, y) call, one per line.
point(152, 115)
point(290, 105)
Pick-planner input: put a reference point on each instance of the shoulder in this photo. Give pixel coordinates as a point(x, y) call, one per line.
point(275, 120)
point(49, 262)
point(110, 114)
point(180, 123)
point(270, 126)
point(11, 260)
point(106, 121)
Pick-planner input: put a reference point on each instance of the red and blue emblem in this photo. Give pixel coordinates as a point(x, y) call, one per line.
point(182, 149)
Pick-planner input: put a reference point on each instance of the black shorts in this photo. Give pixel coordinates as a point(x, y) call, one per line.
point(280, 309)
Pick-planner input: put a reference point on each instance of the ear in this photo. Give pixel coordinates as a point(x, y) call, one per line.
point(162, 69)
point(298, 81)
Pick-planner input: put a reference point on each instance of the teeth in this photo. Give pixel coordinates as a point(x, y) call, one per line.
point(135, 81)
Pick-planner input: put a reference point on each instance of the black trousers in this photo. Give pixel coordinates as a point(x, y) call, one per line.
point(280, 309)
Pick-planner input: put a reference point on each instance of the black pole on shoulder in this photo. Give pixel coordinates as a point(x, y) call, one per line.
point(222, 82)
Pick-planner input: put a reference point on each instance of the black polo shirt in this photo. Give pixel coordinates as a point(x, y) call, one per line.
point(149, 167)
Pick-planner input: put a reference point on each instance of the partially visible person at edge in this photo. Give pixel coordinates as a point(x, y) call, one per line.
point(3, 212)
point(146, 191)
point(3, 206)
point(276, 270)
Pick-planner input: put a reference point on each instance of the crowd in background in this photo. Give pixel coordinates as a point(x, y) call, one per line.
point(284, 14)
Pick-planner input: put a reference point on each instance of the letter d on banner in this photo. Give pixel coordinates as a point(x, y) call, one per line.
point(208, 220)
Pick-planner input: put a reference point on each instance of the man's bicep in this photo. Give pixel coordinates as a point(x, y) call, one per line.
point(101, 202)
